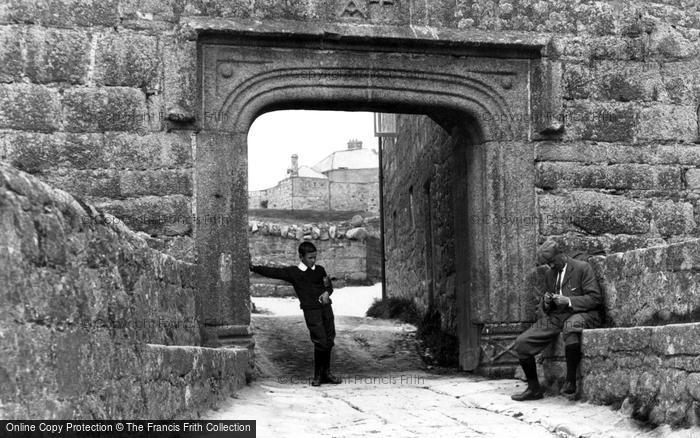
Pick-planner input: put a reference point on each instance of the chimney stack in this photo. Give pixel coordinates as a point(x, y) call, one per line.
point(294, 170)
point(354, 145)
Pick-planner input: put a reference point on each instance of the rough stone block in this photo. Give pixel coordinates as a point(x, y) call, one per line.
point(692, 179)
point(666, 42)
point(29, 107)
point(104, 109)
point(239, 9)
point(11, 67)
point(555, 214)
point(57, 55)
point(155, 182)
point(667, 122)
point(600, 121)
point(577, 81)
point(607, 341)
point(680, 83)
point(180, 79)
point(626, 82)
point(621, 176)
point(676, 339)
point(169, 215)
point(598, 213)
point(128, 59)
point(65, 13)
point(673, 218)
point(85, 183)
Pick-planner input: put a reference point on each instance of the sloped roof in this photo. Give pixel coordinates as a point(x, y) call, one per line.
point(307, 172)
point(349, 159)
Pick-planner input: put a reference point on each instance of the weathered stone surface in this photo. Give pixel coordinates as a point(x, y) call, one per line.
point(651, 286)
point(104, 109)
point(159, 215)
point(673, 218)
point(621, 176)
point(56, 55)
point(358, 233)
point(29, 107)
point(601, 343)
point(692, 179)
point(128, 59)
point(84, 305)
point(667, 122)
point(179, 68)
point(599, 213)
point(64, 13)
point(10, 55)
point(36, 153)
point(600, 121)
point(612, 153)
point(658, 389)
point(676, 339)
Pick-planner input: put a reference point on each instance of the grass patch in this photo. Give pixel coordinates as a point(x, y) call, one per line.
point(402, 309)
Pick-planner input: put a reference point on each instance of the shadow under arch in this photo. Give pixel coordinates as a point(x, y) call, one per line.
point(485, 101)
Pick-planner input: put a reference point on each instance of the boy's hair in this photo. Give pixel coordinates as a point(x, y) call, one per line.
point(305, 248)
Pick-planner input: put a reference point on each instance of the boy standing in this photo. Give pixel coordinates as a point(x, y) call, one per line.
point(313, 288)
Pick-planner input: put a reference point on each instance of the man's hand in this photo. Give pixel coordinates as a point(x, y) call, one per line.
point(561, 301)
point(547, 301)
point(324, 298)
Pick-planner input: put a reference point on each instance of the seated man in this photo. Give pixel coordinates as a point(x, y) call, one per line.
point(571, 302)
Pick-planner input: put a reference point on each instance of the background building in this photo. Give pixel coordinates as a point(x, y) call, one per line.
point(344, 180)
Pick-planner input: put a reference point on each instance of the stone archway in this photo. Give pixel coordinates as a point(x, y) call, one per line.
point(482, 88)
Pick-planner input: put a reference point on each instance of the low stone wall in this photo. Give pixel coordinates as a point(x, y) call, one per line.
point(92, 317)
point(653, 373)
point(651, 286)
point(343, 252)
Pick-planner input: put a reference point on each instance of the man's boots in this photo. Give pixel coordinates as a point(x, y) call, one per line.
point(533, 391)
point(318, 367)
point(326, 375)
point(573, 358)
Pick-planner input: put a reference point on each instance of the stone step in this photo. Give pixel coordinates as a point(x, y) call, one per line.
point(182, 381)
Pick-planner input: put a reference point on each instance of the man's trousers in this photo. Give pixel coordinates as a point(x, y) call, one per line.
point(547, 327)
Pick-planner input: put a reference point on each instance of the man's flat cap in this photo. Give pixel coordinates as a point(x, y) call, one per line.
point(547, 251)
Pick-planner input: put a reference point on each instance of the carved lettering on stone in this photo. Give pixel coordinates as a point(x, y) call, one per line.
point(353, 9)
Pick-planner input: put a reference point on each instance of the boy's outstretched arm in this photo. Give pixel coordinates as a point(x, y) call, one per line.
point(271, 272)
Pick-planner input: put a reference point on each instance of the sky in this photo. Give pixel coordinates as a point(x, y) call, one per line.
point(313, 135)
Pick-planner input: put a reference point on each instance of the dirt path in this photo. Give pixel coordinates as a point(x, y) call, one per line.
point(364, 346)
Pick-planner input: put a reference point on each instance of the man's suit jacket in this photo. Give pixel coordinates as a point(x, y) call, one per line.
point(580, 285)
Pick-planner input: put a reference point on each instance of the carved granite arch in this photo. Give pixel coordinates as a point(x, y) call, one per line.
point(481, 91)
point(477, 97)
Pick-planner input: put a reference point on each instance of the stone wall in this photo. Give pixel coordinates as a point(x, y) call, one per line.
point(343, 250)
point(415, 215)
point(347, 196)
point(95, 323)
point(651, 286)
point(302, 193)
point(652, 373)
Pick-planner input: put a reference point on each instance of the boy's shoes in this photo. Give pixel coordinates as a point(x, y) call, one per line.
point(328, 377)
point(317, 377)
point(531, 393)
point(568, 390)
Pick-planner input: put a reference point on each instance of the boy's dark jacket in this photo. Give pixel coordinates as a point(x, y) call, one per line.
point(308, 284)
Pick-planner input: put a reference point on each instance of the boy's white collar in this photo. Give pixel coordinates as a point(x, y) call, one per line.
point(303, 267)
